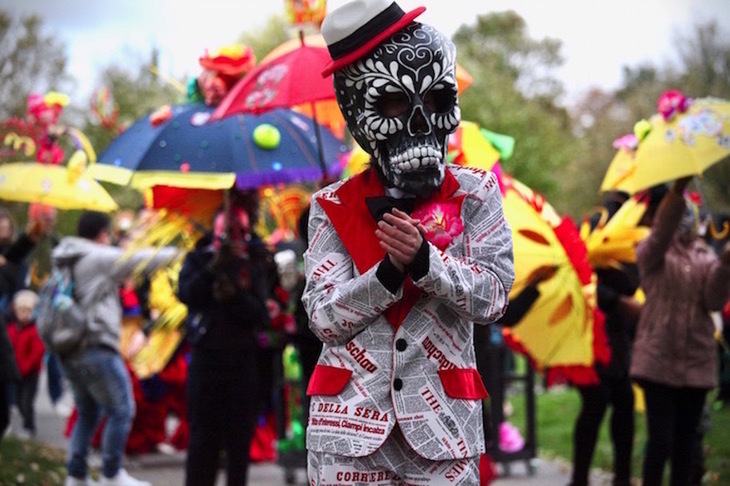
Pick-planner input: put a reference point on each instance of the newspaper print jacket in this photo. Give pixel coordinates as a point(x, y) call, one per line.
point(404, 358)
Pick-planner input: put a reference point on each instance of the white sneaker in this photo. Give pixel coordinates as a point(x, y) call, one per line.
point(122, 479)
point(72, 481)
point(165, 448)
point(62, 410)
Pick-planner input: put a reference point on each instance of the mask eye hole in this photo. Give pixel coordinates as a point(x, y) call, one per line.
point(393, 104)
point(439, 101)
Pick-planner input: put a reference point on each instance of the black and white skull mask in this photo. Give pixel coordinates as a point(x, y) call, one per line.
point(400, 103)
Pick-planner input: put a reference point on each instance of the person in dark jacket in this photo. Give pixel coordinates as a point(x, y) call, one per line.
point(223, 282)
point(616, 289)
point(9, 374)
point(12, 252)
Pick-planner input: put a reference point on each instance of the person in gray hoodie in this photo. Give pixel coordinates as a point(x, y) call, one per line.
point(98, 376)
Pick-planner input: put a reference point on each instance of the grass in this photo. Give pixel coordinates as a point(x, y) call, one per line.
point(29, 462)
point(557, 410)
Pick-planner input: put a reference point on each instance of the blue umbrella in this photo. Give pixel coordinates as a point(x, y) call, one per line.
point(189, 150)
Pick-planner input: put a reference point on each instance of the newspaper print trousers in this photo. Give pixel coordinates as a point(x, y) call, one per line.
point(394, 464)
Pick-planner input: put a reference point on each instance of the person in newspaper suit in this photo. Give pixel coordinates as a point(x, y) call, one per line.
point(403, 259)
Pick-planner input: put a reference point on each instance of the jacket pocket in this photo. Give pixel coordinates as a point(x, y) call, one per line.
point(463, 383)
point(328, 380)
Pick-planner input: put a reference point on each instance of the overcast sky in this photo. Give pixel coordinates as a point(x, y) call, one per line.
point(598, 36)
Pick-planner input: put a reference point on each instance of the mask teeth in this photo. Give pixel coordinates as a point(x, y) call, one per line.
point(416, 158)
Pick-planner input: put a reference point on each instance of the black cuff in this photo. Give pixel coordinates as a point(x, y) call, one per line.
point(389, 276)
point(420, 264)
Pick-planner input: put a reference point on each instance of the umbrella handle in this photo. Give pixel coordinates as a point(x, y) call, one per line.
point(318, 134)
point(226, 212)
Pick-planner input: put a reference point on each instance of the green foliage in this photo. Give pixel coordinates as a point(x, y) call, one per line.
point(514, 93)
point(263, 40)
point(136, 92)
point(29, 462)
point(564, 152)
point(30, 60)
point(703, 71)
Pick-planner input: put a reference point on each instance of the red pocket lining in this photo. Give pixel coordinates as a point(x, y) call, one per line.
point(328, 380)
point(463, 383)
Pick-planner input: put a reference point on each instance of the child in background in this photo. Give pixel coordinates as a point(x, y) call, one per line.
point(29, 351)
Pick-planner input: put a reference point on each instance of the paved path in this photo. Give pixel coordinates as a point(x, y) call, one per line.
point(168, 470)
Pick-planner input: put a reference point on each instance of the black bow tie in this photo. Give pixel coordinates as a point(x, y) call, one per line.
point(379, 205)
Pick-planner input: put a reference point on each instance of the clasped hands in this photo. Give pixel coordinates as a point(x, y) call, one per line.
point(400, 236)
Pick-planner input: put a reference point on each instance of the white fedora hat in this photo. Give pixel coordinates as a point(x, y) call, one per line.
point(358, 27)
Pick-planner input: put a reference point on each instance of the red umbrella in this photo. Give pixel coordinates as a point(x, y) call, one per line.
point(284, 81)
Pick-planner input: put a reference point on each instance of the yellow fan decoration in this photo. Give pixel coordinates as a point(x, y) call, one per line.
point(558, 330)
point(281, 208)
point(158, 228)
point(166, 334)
point(614, 241)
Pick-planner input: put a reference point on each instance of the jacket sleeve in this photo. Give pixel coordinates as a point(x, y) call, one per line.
point(119, 264)
point(339, 303)
point(519, 306)
point(20, 249)
point(607, 297)
point(477, 286)
point(195, 282)
point(150, 259)
point(651, 251)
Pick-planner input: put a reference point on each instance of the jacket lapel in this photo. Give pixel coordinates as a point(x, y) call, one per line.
point(352, 220)
point(356, 228)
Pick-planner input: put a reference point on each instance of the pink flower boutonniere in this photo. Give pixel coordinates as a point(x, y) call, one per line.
point(442, 221)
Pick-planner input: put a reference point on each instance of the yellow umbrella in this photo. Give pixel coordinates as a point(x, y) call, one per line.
point(64, 187)
point(558, 330)
point(682, 140)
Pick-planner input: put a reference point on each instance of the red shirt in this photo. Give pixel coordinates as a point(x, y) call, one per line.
point(28, 348)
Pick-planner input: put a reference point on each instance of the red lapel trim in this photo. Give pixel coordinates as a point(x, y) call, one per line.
point(352, 220)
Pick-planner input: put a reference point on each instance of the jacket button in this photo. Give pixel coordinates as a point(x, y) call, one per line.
point(401, 344)
point(397, 384)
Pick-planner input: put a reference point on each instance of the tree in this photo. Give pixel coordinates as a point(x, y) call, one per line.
point(264, 40)
point(705, 58)
point(135, 92)
point(30, 60)
point(515, 93)
point(705, 61)
point(600, 118)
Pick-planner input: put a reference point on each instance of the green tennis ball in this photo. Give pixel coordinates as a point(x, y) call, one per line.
point(267, 136)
